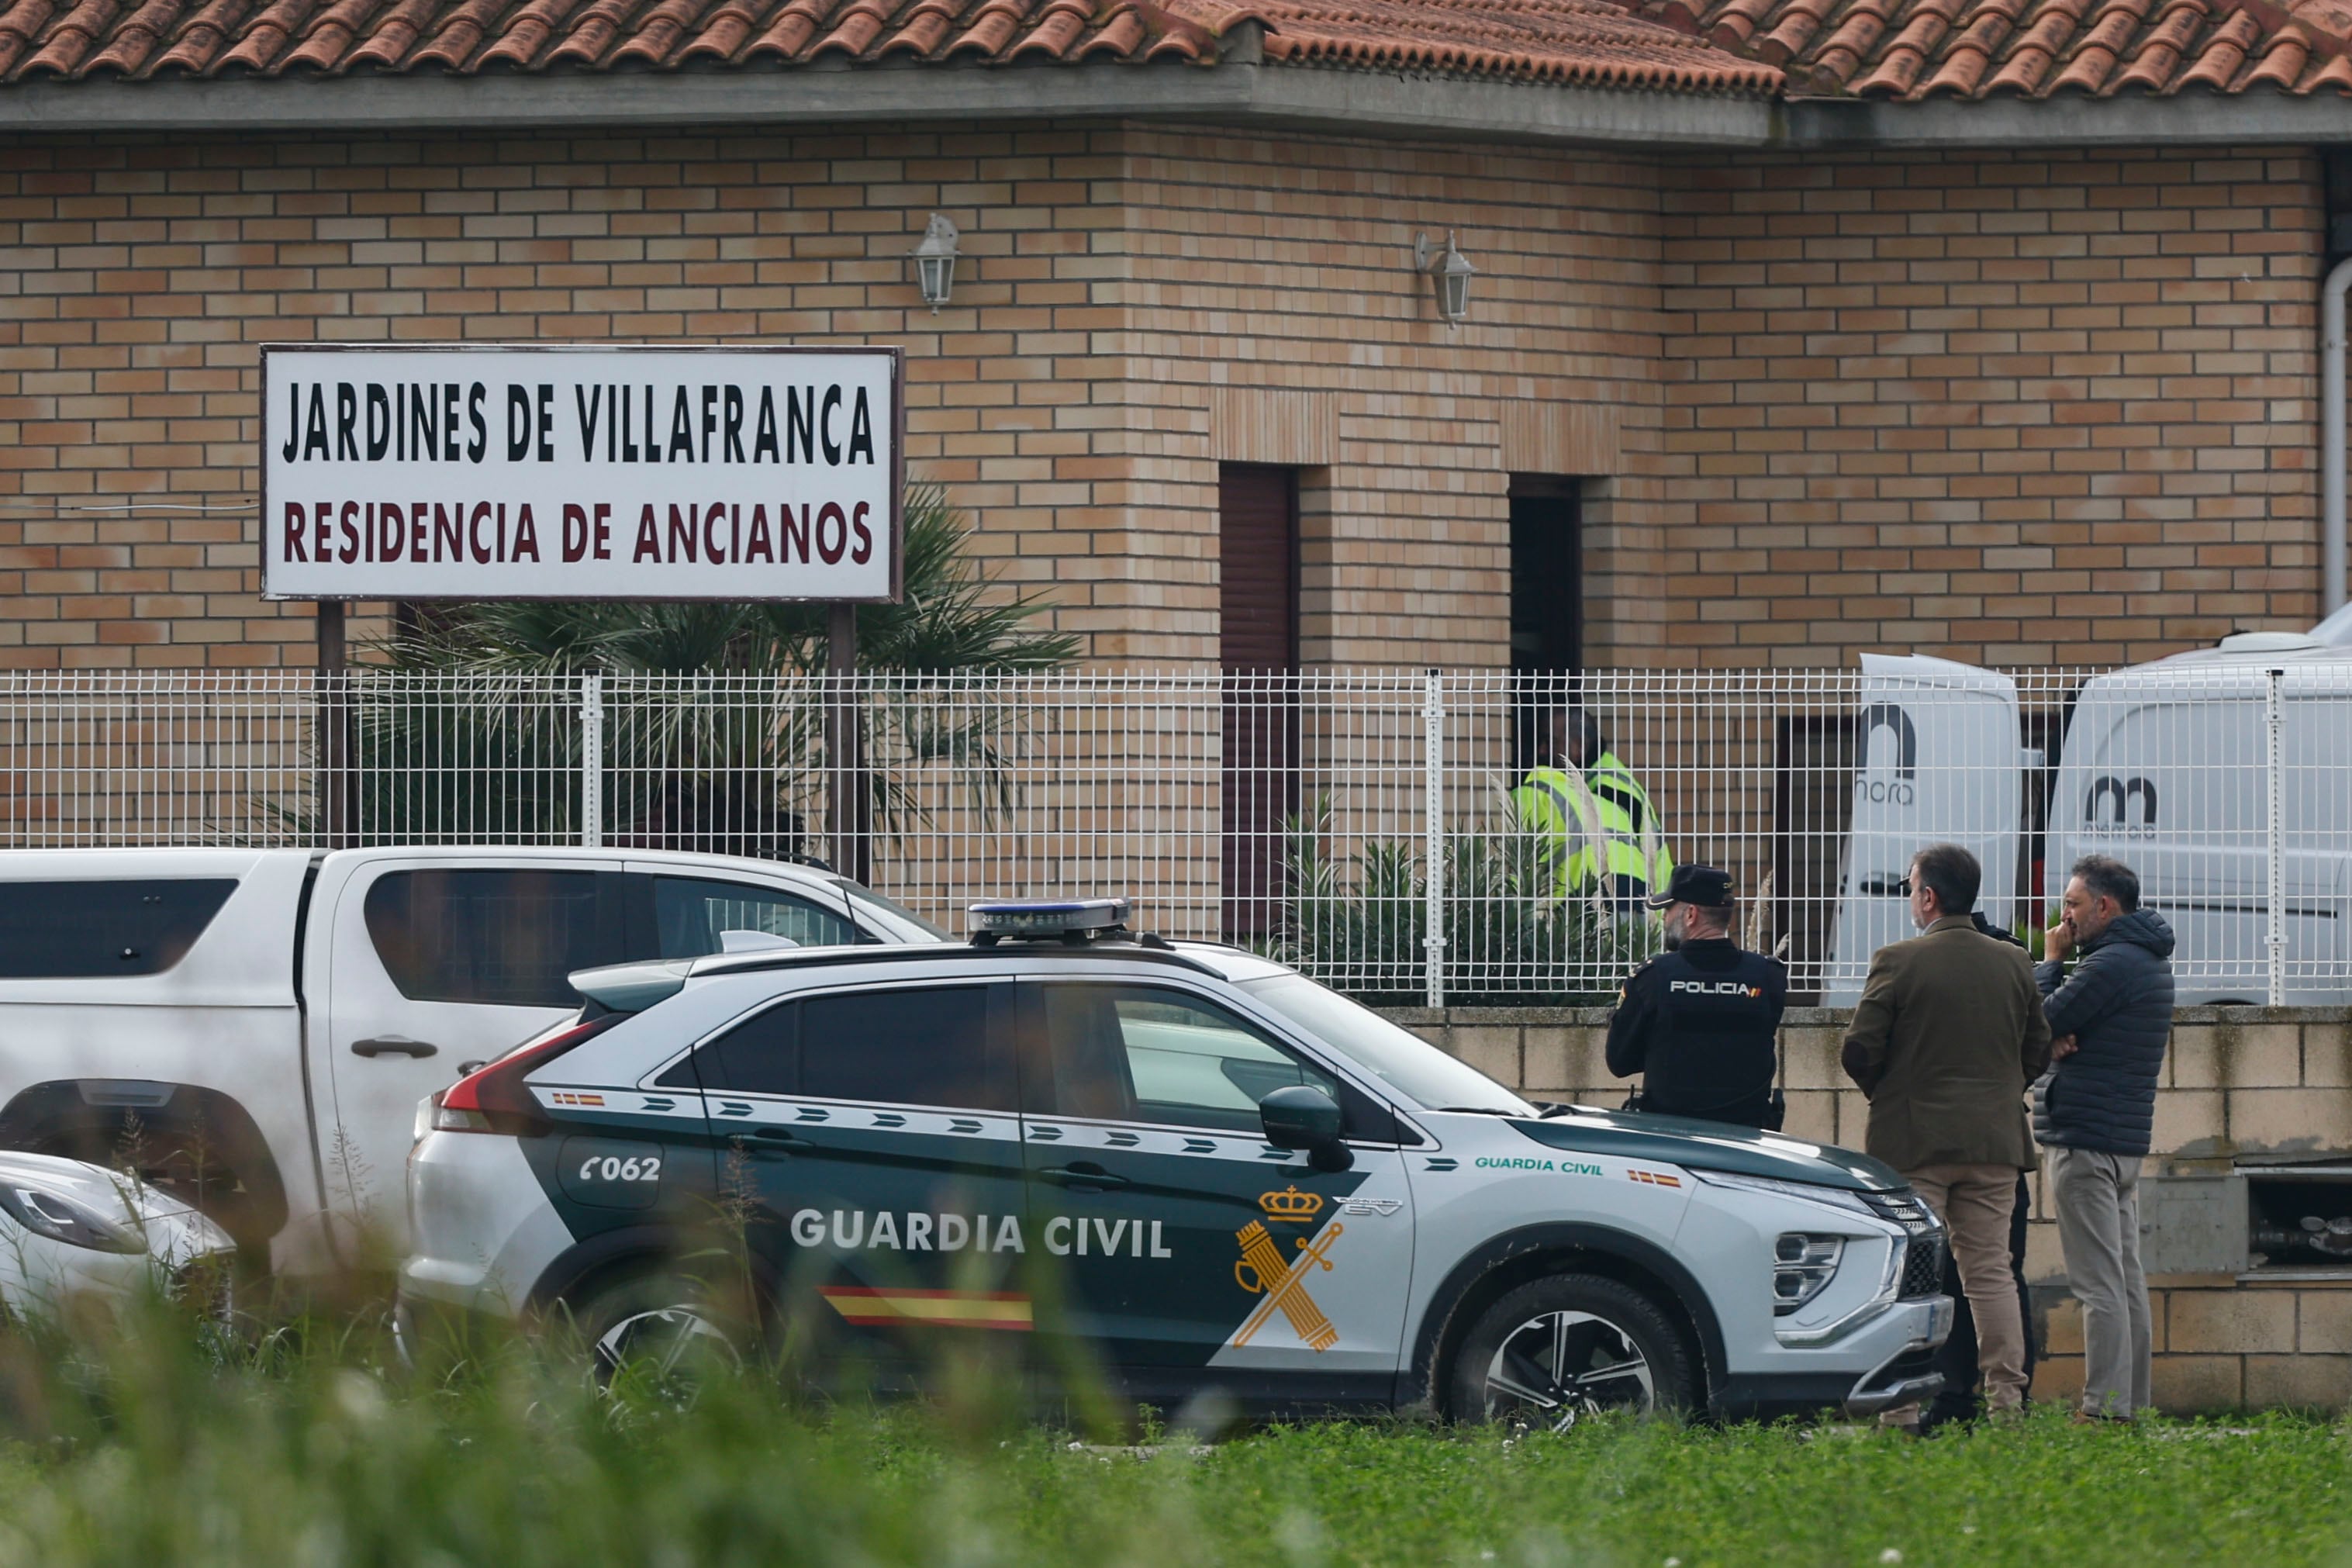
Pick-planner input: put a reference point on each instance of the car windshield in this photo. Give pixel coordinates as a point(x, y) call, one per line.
point(859, 893)
point(1398, 1057)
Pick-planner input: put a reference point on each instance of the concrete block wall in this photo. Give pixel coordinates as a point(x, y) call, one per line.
point(2239, 1083)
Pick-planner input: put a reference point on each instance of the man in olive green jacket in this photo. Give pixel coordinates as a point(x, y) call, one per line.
point(1947, 1035)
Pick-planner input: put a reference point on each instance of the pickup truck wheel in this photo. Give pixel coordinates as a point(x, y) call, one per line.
point(1557, 1350)
point(655, 1336)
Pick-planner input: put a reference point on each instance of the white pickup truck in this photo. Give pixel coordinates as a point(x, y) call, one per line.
point(253, 1028)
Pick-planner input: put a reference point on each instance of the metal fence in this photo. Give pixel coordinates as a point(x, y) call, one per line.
point(1381, 829)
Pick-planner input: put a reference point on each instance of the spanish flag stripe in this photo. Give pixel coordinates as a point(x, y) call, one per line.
point(946, 1308)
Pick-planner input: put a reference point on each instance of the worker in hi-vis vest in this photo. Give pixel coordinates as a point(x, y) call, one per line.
point(1606, 840)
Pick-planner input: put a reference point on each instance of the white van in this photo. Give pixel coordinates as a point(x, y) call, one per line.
point(1936, 760)
point(253, 1028)
point(2164, 768)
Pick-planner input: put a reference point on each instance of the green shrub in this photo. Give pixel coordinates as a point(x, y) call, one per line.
point(1514, 935)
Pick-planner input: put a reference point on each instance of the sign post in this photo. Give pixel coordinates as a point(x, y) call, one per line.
point(559, 471)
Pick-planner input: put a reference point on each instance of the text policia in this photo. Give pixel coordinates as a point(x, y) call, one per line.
point(581, 471)
point(608, 424)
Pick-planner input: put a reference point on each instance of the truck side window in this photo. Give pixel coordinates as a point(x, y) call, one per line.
point(505, 937)
point(926, 1045)
point(64, 930)
point(690, 913)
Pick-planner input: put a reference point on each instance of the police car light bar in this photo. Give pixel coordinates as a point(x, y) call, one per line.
point(1070, 919)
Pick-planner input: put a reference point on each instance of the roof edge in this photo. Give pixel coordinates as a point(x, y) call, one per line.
point(1234, 94)
point(2217, 119)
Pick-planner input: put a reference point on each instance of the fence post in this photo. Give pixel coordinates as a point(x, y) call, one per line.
point(592, 761)
point(1432, 774)
point(2274, 827)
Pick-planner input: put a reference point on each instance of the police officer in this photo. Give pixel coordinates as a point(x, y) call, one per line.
point(1606, 834)
point(1699, 1021)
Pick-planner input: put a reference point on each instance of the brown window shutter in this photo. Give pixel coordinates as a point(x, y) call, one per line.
point(1257, 554)
point(1257, 536)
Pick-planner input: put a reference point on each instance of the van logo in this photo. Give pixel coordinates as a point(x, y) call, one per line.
point(1897, 791)
point(2131, 796)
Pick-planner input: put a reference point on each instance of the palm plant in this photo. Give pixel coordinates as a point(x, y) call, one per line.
point(715, 735)
point(950, 621)
point(1515, 935)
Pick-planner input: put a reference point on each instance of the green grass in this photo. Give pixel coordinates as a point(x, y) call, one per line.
point(139, 1448)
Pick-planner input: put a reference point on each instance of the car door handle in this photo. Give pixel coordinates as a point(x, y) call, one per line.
point(1083, 1177)
point(781, 1141)
point(394, 1046)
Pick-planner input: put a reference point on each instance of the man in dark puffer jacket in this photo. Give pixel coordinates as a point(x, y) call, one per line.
point(2093, 1109)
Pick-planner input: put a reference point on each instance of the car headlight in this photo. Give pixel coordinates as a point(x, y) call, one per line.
point(61, 1218)
point(1806, 1192)
point(1801, 1265)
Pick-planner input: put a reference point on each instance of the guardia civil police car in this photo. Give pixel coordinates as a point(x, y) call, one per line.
point(1213, 1171)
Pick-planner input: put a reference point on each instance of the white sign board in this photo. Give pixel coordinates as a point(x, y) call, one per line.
point(1937, 761)
point(518, 471)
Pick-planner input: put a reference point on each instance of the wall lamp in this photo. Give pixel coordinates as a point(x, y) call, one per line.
point(935, 261)
point(1449, 270)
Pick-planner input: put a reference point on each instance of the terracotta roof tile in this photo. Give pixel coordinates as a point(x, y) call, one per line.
point(2326, 73)
point(990, 28)
point(200, 37)
point(20, 24)
point(1899, 49)
point(266, 37)
point(459, 35)
point(1798, 26)
point(526, 33)
point(722, 32)
point(1736, 23)
point(71, 38)
point(592, 35)
point(136, 37)
point(328, 36)
point(1585, 41)
point(790, 28)
point(655, 32)
point(1123, 35)
point(1985, 49)
point(1058, 27)
point(2277, 67)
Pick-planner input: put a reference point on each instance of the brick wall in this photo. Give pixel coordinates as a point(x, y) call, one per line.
point(2011, 409)
point(2005, 408)
point(2240, 1084)
point(1111, 279)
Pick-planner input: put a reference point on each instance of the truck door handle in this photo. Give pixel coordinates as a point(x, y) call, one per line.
point(394, 1046)
point(1083, 1177)
point(782, 1140)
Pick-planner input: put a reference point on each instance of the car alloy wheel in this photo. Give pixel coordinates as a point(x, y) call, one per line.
point(657, 1341)
point(1559, 1367)
point(1566, 1347)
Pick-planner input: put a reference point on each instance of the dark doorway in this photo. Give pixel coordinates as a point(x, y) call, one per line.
point(1257, 601)
point(1547, 602)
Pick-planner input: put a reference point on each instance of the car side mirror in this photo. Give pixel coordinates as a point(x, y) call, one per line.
point(1299, 1116)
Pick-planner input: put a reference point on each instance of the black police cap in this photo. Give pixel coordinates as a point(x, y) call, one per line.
point(1704, 886)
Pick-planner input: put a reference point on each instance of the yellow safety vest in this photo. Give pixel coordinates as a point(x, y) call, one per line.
point(1602, 825)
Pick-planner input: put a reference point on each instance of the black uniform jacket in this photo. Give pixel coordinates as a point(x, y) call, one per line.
point(1698, 1023)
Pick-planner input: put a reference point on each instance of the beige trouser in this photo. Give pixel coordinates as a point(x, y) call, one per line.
point(2096, 1195)
point(1974, 1203)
